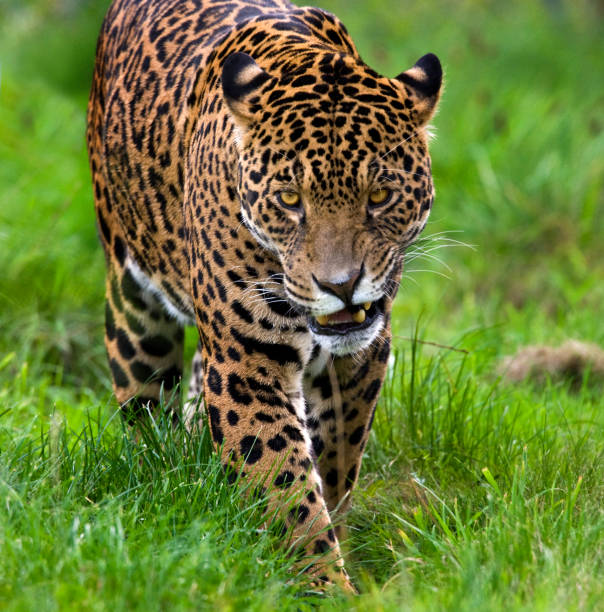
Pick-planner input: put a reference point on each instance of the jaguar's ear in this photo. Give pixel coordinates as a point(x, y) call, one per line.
point(425, 80)
point(241, 80)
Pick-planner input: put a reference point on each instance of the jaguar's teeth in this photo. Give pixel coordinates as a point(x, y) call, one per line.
point(359, 316)
point(367, 305)
point(322, 320)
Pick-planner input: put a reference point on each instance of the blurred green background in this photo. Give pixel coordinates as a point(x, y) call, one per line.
point(513, 254)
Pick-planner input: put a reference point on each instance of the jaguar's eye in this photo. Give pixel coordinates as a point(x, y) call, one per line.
point(291, 199)
point(379, 196)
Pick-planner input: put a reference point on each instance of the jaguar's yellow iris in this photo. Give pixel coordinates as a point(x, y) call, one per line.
point(379, 196)
point(289, 198)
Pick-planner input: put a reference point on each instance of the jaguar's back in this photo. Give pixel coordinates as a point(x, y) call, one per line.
point(148, 59)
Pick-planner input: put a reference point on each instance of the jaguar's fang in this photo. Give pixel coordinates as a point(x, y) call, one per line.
point(359, 316)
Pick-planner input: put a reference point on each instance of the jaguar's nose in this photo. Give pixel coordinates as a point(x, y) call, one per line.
point(343, 290)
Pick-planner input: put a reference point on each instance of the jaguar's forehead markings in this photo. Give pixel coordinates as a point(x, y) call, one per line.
point(355, 164)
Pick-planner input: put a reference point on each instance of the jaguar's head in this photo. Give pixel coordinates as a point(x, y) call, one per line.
point(335, 180)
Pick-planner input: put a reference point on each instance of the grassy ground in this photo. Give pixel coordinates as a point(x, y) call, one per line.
point(474, 494)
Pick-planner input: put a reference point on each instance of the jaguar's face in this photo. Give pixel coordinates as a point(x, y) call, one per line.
point(337, 187)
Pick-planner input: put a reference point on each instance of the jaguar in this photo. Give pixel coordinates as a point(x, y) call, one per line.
point(254, 178)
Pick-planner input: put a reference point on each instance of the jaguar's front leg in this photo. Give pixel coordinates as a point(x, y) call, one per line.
point(341, 401)
point(144, 345)
point(256, 412)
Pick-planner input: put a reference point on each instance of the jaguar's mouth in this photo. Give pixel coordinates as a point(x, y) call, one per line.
point(349, 319)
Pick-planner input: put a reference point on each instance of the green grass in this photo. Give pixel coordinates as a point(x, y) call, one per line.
point(474, 495)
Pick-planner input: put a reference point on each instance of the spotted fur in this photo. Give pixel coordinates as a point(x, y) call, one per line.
point(202, 115)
